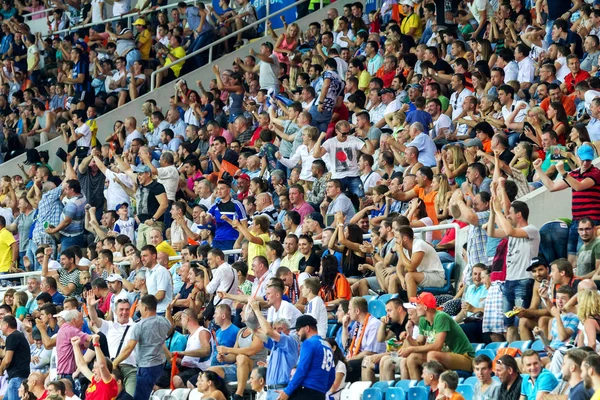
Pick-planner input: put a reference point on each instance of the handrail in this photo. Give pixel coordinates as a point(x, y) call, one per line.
point(120, 17)
point(209, 47)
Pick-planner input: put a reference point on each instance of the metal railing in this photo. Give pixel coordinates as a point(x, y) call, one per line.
point(209, 47)
point(127, 16)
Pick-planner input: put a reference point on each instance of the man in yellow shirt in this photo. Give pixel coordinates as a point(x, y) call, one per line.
point(9, 249)
point(357, 68)
point(590, 372)
point(411, 23)
point(143, 39)
point(293, 256)
point(169, 56)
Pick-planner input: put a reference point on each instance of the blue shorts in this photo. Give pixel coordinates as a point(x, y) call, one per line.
point(230, 372)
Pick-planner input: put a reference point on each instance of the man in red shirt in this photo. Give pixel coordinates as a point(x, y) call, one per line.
point(577, 74)
point(388, 71)
point(555, 94)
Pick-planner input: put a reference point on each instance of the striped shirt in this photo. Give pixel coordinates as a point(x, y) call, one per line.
point(586, 203)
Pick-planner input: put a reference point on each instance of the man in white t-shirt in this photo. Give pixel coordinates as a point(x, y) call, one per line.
point(268, 67)
point(457, 99)
point(441, 122)
point(343, 152)
point(513, 112)
point(523, 245)
point(80, 131)
point(279, 309)
point(481, 10)
point(419, 264)
point(368, 177)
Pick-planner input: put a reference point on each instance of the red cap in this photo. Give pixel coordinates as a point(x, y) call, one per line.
point(425, 298)
point(244, 176)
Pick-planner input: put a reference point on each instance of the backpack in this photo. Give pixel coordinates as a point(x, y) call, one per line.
point(511, 351)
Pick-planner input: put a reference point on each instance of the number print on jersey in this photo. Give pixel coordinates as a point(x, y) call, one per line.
point(327, 359)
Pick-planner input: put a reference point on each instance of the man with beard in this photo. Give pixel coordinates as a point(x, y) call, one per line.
point(590, 372)
point(392, 325)
point(316, 357)
point(507, 371)
point(572, 382)
point(588, 256)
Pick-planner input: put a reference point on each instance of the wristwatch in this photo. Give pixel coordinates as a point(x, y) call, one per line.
point(153, 219)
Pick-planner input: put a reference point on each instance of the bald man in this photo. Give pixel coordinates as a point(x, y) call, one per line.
point(586, 284)
point(36, 384)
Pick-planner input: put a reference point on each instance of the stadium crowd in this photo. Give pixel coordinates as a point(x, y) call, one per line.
point(332, 162)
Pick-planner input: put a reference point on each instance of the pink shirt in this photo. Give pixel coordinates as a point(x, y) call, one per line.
point(304, 210)
point(191, 179)
point(65, 358)
point(225, 133)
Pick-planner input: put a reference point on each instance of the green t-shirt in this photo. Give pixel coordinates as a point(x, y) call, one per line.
point(456, 340)
point(587, 257)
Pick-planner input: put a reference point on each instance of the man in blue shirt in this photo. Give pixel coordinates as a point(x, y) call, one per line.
point(316, 369)
point(225, 206)
point(284, 352)
point(538, 379)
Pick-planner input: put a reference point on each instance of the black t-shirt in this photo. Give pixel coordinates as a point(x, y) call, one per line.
point(514, 393)
point(506, 156)
point(313, 261)
point(19, 366)
point(398, 328)
point(146, 200)
point(442, 65)
point(230, 156)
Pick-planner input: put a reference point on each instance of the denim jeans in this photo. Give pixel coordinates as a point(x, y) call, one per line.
point(445, 257)
point(201, 41)
point(513, 139)
point(12, 392)
point(69, 241)
point(549, 24)
point(554, 236)
point(146, 377)
point(354, 185)
point(516, 294)
point(131, 57)
point(320, 119)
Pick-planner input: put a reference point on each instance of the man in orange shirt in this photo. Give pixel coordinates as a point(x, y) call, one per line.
point(388, 71)
point(555, 94)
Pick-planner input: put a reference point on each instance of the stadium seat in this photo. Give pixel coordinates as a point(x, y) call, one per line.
point(181, 394)
point(372, 394)
point(383, 385)
point(447, 288)
point(369, 298)
point(521, 345)
point(478, 346)
point(463, 374)
point(420, 383)
point(357, 388)
point(395, 393)
point(384, 298)
point(418, 393)
point(538, 345)
point(461, 380)
point(405, 384)
point(496, 345)
point(377, 309)
point(332, 330)
point(467, 391)
point(472, 380)
point(346, 394)
point(488, 352)
point(195, 395)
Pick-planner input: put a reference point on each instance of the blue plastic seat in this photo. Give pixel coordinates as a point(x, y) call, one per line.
point(521, 345)
point(421, 383)
point(394, 393)
point(496, 345)
point(369, 298)
point(372, 394)
point(472, 380)
point(405, 384)
point(447, 288)
point(488, 352)
point(384, 385)
point(332, 329)
point(384, 298)
point(538, 345)
point(478, 346)
point(418, 393)
point(377, 309)
point(463, 374)
point(467, 391)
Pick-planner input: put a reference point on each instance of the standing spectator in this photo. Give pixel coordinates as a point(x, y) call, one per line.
point(72, 219)
point(158, 279)
point(225, 205)
point(15, 357)
point(152, 203)
point(9, 249)
point(70, 326)
point(147, 338)
point(316, 370)
point(103, 385)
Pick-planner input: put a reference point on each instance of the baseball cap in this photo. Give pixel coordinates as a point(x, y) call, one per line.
point(585, 153)
point(114, 278)
point(407, 3)
point(61, 314)
point(140, 21)
point(475, 142)
point(140, 169)
point(210, 227)
point(305, 320)
point(409, 306)
point(415, 86)
point(388, 91)
point(317, 217)
point(244, 176)
point(537, 261)
point(118, 207)
point(425, 298)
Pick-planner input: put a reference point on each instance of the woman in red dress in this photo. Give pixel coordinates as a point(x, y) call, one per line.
point(103, 385)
